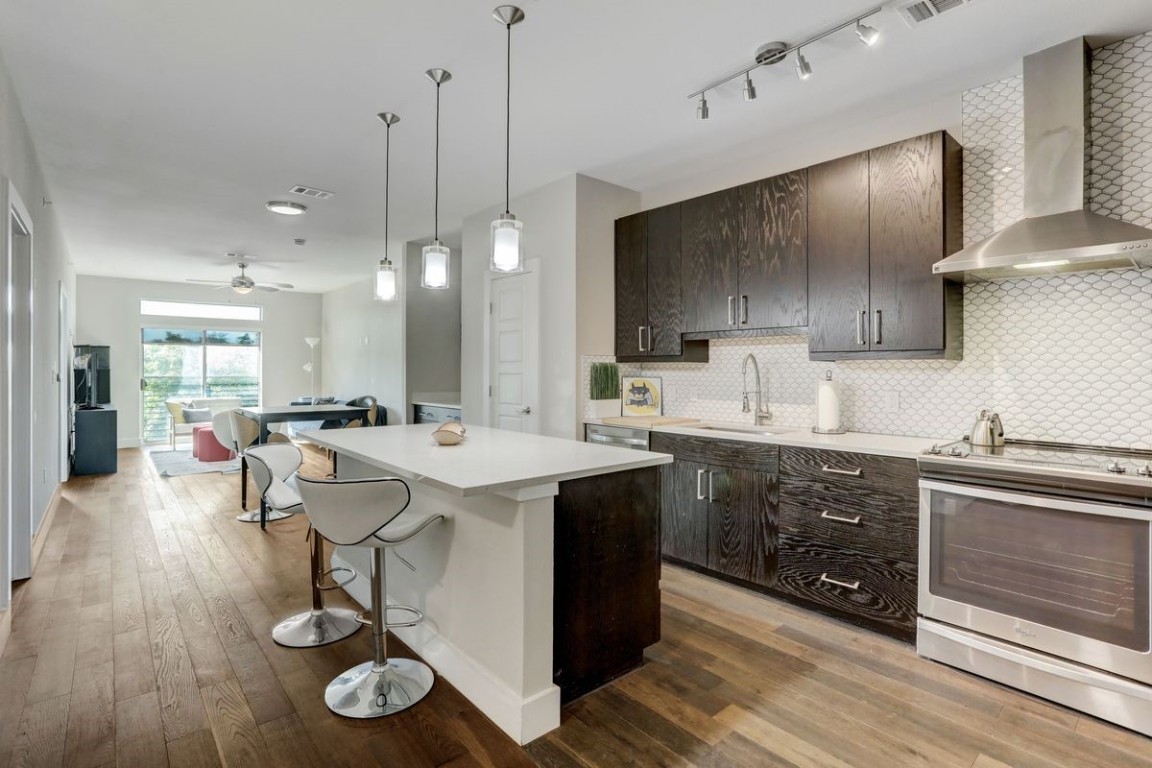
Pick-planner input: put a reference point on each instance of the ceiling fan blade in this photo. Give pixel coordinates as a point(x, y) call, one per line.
point(268, 288)
point(282, 286)
point(208, 282)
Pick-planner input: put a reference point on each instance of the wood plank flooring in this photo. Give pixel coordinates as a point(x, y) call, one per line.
point(143, 640)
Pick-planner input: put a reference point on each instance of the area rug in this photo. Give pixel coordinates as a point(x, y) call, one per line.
point(177, 463)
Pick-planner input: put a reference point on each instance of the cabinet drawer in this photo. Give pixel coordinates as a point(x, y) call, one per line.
point(737, 454)
point(861, 475)
point(876, 591)
point(434, 414)
point(886, 528)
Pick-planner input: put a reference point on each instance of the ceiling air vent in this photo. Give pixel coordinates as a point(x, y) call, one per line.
point(925, 10)
point(312, 192)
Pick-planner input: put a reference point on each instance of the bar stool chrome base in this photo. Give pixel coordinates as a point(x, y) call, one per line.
point(254, 516)
point(314, 628)
point(368, 690)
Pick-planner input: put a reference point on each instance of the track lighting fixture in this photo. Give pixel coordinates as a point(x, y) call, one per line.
point(775, 52)
point(868, 35)
point(434, 258)
point(803, 68)
point(749, 89)
point(385, 273)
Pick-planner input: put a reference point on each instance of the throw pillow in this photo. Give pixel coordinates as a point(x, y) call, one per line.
point(196, 415)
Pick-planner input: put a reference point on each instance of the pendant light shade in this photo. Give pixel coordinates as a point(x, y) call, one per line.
point(434, 259)
point(385, 273)
point(507, 247)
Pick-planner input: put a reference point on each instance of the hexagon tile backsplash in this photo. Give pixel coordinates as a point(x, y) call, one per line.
point(1066, 358)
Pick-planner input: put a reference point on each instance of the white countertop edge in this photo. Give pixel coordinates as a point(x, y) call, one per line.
point(897, 446)
point(643, 460)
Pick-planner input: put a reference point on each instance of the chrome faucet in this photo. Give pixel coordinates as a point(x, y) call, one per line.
point(763, 415)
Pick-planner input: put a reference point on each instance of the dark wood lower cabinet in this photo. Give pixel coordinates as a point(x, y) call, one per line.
point(684, 515)
point(606, 580)
point(869, 591)
point(742, 524)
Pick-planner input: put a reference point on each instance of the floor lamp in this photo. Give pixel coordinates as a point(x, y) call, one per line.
point(311, 341)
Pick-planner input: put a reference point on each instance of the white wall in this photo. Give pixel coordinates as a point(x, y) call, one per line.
point(362, 345)
point(432, 319)
point(108, 312)
point(569, 227)
point(51, 270)
point(818, 143)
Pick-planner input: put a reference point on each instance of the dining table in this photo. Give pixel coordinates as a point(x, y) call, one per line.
point(265, 415)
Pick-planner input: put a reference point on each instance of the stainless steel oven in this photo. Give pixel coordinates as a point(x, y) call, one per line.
point(1038, 576)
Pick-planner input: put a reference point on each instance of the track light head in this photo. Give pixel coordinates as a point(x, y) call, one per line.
point(803, 68)
point(749, 88)
point(702, 108)
point(868, 35)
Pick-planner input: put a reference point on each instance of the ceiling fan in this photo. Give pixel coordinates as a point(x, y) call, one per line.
point(241, 283)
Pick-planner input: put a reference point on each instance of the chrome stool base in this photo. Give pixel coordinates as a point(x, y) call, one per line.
point(315, 628)
point(367, 690)
point(254, 516)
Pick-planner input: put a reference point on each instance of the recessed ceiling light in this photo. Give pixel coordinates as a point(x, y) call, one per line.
point(285, 207)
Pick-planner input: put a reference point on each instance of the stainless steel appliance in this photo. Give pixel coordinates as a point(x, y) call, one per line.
point(621, 437)
point(1034, 571)
point(987, 432)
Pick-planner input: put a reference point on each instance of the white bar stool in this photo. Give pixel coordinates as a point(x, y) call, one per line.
point(371, 513)
point(273, 469)
point(245, 432)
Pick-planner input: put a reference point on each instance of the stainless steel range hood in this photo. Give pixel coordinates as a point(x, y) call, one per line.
point(1057, 234)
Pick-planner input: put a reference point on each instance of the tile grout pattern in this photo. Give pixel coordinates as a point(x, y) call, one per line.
point(1066, 358)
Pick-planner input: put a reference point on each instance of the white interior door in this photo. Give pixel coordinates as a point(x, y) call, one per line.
point(513, 350)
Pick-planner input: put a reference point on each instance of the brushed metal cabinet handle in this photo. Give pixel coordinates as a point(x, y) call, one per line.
point(861, 319)
point(836, 518)
point(640, 338)
point(711, 495)
point(731, 310)
point(744, 310)
point(855, 585)
point(648, 330)
point(849, 472)
point(877, 335)
point(700, 484)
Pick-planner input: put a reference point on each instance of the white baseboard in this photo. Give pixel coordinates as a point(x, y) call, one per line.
point(129, 442)
point(524, 719)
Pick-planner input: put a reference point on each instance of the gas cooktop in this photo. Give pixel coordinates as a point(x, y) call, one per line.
point(1049, 465)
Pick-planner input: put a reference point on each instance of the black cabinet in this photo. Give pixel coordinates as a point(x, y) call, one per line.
point(649, 315)
point(877, 222)
point(745, 258)
point(719, 510)
point(94, 449)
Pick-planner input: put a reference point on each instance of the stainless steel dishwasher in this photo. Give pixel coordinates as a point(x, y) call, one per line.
point(621, 437)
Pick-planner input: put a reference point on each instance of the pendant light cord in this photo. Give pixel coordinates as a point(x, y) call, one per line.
point(387, 180)
point(508, 126)
point(436, 184)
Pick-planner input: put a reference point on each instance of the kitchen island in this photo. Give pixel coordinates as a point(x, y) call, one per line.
point(543, 581)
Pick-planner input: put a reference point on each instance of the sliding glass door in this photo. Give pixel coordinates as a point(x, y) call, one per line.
point(186, 364)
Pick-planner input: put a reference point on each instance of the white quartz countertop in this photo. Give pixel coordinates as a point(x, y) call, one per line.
point(487, 461)
point(437, 399)
point(803, 437)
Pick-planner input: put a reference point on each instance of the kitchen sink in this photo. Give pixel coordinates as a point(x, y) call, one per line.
point(750, 430)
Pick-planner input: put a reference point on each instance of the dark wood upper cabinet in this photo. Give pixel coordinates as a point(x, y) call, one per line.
point(649, 305)
point(773, 265)
point(872, 291)
point(631, 284)
point(838, 255)
point(712, 238)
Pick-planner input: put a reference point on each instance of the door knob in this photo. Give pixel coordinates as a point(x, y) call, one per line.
point(526, 410)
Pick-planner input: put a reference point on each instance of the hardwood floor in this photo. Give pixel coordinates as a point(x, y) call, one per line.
point(143, 640)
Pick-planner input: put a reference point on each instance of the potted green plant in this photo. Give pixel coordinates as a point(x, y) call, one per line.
point(604, 390)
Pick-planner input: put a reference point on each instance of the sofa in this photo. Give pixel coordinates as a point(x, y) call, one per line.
point(178, 408)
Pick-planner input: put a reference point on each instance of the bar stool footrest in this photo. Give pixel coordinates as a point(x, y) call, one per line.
point(335, 584)
point(365, 617)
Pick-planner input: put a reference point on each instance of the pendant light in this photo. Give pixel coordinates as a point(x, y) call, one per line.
point(434, 262)
point(507, 233)
point(385, 273)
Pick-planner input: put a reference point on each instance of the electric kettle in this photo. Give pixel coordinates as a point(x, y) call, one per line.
point(987, 432)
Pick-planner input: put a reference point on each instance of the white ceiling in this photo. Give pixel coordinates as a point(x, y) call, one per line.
point(163, 126)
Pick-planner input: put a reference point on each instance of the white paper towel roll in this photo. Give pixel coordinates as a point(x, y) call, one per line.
point(828, 404)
